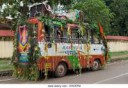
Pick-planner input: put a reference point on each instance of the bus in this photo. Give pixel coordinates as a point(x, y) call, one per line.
point(56, 44)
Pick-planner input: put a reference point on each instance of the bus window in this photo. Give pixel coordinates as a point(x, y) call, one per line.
point(80, 37)
point(97, 40)
point(47, 33)
point(77, 37)
point(84, 37)
point(94, 37)
point(65, 36)
point(58, 34)
point(74, 35)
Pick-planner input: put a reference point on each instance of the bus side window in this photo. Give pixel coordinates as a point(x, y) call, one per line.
point(85, 38)
point(47, 33)
point(74, 36)
point(58, 34)
point(65, 36)
point(80, 37)
point(94, 37)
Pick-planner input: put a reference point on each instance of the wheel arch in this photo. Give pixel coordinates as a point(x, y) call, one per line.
point(63, 62)
point(98, 59)
point(93, 64)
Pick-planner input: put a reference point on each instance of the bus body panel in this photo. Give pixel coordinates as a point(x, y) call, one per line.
point(55, 53)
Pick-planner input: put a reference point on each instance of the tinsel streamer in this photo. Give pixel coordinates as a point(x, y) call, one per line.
point(45, 68)
point(46, 48)
point(79, 57)
point(88, 54)
point(69, 30)
point(55, 47)
point(82, 29)
point(62, 27)
point(15, 43)
point(46, 58)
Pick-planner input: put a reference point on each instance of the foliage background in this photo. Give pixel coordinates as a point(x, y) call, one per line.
point(113, 14)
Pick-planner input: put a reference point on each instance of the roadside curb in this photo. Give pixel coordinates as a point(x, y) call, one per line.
point(6, 73)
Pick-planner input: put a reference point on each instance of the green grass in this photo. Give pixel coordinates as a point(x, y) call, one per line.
point(112, 54)
point(5, 65)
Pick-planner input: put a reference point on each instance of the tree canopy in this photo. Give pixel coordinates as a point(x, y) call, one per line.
point(95, 12)
point(119, 25)
point(112, 14)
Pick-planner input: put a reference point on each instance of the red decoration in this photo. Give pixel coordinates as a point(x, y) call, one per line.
point(101, 29)
point(33, 20)
point(72, 26)
point(40, 31)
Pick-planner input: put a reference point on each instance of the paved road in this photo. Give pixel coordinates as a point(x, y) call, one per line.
point(114, 73)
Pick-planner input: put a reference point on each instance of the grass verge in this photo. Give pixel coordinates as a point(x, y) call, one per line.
point(112, 54)
point(5, 64)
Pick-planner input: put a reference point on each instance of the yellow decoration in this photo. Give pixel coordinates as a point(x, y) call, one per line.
point(69, 30)
point(23, 48)
point(62, 28)
point(85, 47)
point(48, 65)
point(55, 47)
point(46, 57)
point(88, 47)
point(46, 47)
point(82, 29)
point(36, 48)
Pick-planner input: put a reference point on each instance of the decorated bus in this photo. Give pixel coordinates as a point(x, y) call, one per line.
point(56, 42)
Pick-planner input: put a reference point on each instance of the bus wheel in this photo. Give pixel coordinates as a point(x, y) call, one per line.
point(61, 70)
point(96, 65)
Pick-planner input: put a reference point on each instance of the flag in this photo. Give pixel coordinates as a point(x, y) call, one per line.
point(104, 41)
point(40, 31)
point(101, 29)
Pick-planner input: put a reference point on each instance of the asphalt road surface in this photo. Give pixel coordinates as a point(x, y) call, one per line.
point(114, 73)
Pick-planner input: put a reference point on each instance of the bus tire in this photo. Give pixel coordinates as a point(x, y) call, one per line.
point(61, 70)
point(96, 65)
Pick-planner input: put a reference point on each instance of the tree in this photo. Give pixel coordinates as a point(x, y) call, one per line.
point(119, 25)
point(11, 12)
point(13, 8)
point(108, 2)
point(95, 12)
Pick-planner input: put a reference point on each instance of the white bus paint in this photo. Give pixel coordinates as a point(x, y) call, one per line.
point(64, 49)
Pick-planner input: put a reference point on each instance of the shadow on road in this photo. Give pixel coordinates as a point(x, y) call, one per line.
point(69, 73)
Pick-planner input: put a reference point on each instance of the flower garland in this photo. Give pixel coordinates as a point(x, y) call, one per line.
point(46, 59)
point(23, 70)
